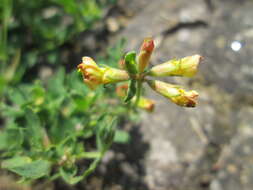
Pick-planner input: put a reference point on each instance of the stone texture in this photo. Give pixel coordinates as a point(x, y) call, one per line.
point(162, 15)
point(230, 69)
point(207, 147)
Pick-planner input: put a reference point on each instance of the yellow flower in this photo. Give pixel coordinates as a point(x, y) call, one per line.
point(175, 93)
point(94, 75)
point(186, 66)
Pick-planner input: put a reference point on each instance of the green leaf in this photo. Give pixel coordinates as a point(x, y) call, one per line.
point(15, 162)
point(74, 82)
point(16, 95)
point(2, 84)
point(14, 137)
point(131, 91)
point(82, 103)
point(38, 93)
point(34, 129)
point(56, 88)
point(3, 140)
point(10, 111)
point(68, 174)
point(121, 136)
point(26, 168)
point(91, 168)
point(107, 135)
point(88, 171)
point(100, 130)
point(105, 132)
point(130, 62)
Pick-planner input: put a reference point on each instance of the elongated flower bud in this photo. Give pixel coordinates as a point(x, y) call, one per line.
point(175, 93)
point(94, 75)
point(145, 54)
point(186, 66)
point(112, 75)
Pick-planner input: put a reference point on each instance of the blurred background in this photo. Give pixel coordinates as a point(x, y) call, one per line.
point(174, 148)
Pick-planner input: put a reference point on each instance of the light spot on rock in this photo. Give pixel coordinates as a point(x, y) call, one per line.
point(236, 46)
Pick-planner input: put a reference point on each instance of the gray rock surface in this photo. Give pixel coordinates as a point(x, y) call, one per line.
point(208, 147)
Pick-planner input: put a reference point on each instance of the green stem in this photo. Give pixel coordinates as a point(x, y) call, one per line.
point(6, 9)
point(54, 177)
point(89, 155)
point(138, 93)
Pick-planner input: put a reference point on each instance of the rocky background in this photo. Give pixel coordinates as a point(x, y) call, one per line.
point(174, 148)
point(208, 147)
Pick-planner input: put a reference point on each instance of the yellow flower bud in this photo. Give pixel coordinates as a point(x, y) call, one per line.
point(145, 54)
point(94, 75)
point(146, 104)
point(175, 93)
point(186, 66)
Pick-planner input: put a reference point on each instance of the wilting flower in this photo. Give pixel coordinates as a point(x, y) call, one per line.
point(186, 66)
point(143, 103)
point(145, 54)
point(175, 93)
point(94, 75)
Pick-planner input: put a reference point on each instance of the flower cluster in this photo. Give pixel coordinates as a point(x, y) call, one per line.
point(134, 68)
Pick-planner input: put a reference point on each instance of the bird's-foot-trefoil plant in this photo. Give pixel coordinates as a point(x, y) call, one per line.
point(51, 128)
point(134, 68)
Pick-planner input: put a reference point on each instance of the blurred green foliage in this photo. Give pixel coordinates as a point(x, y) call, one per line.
point(48, 126)
point(38, 27)
point(47, 24)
